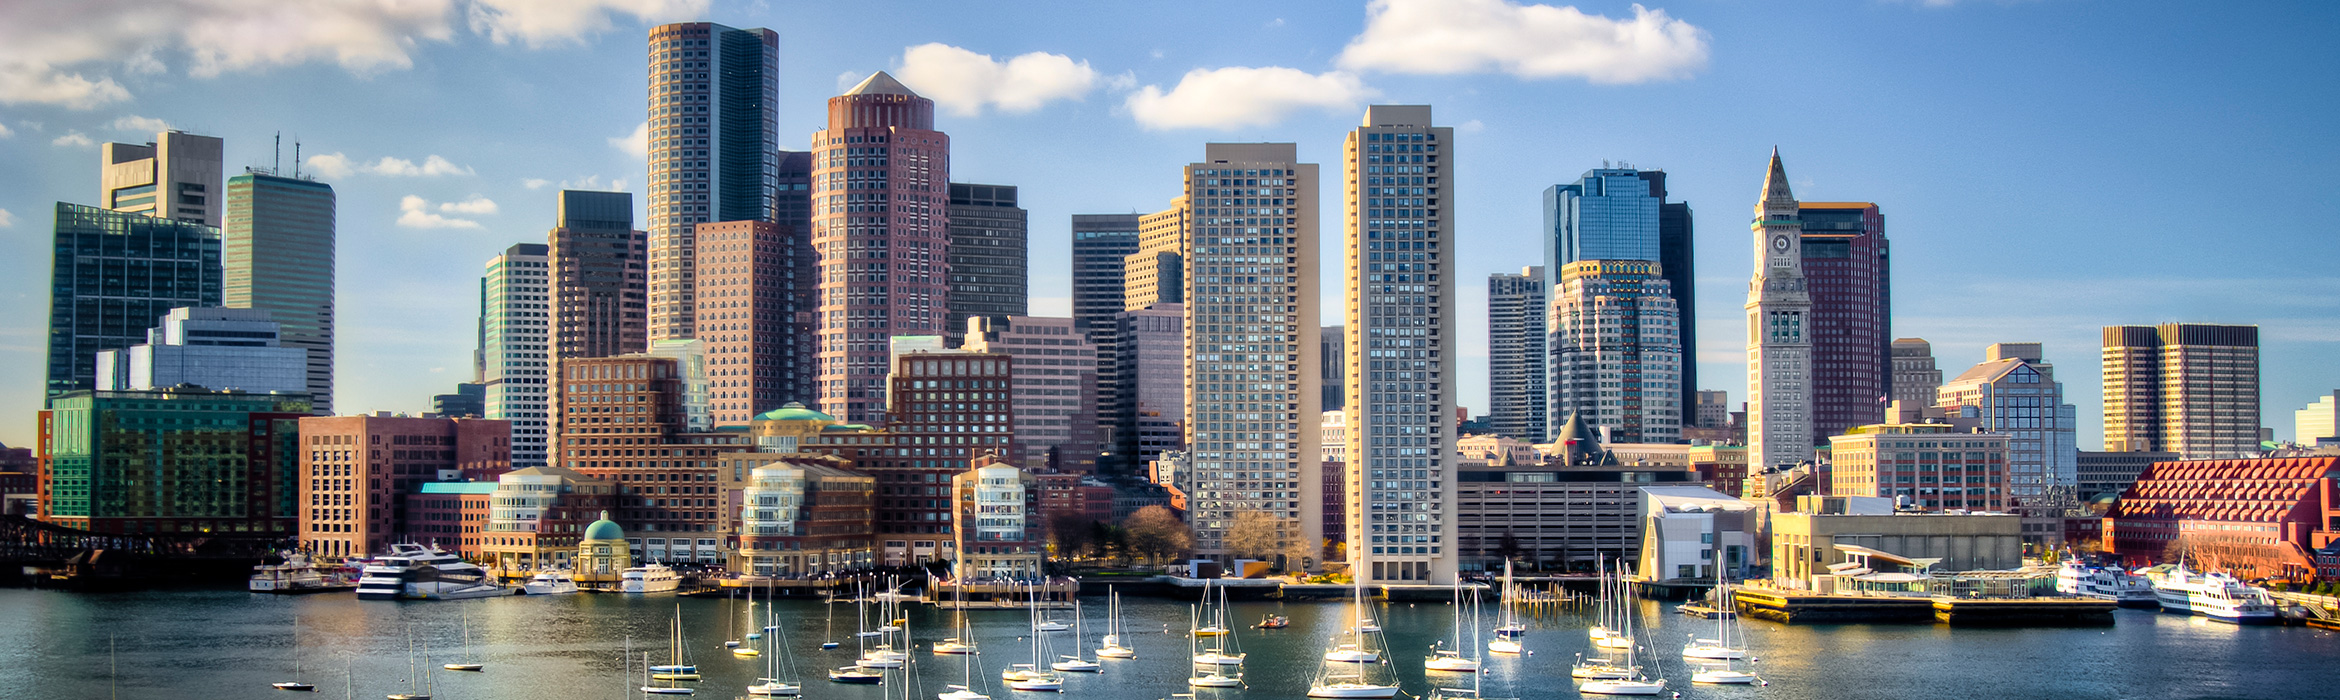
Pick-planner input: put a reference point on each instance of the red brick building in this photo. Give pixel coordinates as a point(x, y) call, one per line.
point(623, 421)
point(2253, 517)
point(357, 474)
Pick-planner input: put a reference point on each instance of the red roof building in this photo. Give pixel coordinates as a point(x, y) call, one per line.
point(2252, 517)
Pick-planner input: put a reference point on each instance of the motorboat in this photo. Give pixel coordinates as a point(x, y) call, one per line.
point(649, 578)
point(294, 576)
point(2105, 583)
point(2217, 595)
point(417, 572)
point(550, 583)
point(1274, 622)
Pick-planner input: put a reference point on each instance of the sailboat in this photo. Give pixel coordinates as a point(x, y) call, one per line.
point(829, 627)
point(1034, 676)
point(741, 649)
point(1727, 646)
point(965, 688)
point(296, 655)
point(1343, 672)
point(1217, 655)
point(1613, 610)
point(675, 668)
point(771, 685)
point(1446, 692)
point(669, 689)
point(1508, 633)
point(1636, 681)
point(1073, 662)
point(1214, 626)
point(1452, 660)
point(858, 673)
point(468, 663)
point(1209, 666)
point(415, 690)
point(965, 642)
point(1112, 648)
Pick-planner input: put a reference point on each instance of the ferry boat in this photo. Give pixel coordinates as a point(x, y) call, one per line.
point(550, 583)
point(650, 578)
point(2105, 583)
point(296, 575)
point(2217, 596)
point(416, 572)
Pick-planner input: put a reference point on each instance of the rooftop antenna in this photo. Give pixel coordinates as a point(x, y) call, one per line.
point(296, 157)
point(277, 166)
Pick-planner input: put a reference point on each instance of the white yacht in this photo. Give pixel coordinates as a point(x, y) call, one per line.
point(2217, 596)
point(416, 572)
point(550, 583)
point(296, 575)
point(648, 578)
point(2105, 583)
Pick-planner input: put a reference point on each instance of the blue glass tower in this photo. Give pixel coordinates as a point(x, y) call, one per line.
point(114, 276)
point(1622, 214)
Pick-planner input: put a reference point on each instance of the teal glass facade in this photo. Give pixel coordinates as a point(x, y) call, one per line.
point(115, 275)
point(172, 461)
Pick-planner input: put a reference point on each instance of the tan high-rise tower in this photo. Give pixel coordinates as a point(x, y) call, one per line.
point(1779, 344)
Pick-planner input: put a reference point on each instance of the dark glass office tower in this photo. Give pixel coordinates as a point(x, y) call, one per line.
point(598, 264)
point(1099, 242)
point(277, 256)
point(1621, 213)
point(987, 256)
point(1846, 272)
point(114, 275)
point(714, 150)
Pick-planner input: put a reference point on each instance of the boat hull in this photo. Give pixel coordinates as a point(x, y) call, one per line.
point(1353, 690)
point(1723, 677)
point(1214, 682)
point(1621, 687)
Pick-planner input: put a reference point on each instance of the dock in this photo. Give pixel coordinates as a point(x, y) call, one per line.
point(1795, 607)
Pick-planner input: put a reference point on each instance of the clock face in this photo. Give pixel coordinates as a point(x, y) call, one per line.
point(1779, 243)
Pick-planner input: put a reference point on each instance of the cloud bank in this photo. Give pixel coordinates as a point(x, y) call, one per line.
point(1230, 98)
point(1450, 37)
point(965, 82)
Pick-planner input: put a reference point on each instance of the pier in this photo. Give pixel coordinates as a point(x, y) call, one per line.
point(1795, 607)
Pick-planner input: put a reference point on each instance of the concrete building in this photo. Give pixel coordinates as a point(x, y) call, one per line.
point(177, 176)
point(800, 515)
point(357, 474)
point(597, 260)
point(1615, 350)
point(2250, 517)
point(1399, 337)
point(112, 274)
point(1690, 534)
point(1621, 213)
point(2106, 474)
point(2189, 388)
point(516, 348)
point(1156, 273)
point(2320, 421)
point(881, 275)
point(1099, 244)
point(537, 517)
point(988, 254)
point(1000, 534)
point(2014, 392)
point(690, 360)
point(747, 319)
point(1251, 407)
point(171, 461)
point(1804, 544)
point(1712, 410)
point(218, 349)
point(1145, 401)
point(1848, 274)
point(1915, 376)
point(1552, 513)
point(1779, 341)
point(1055, 388)
point(277, 255)
point(1516, 356)
point(1932, 466)
point(714, 151)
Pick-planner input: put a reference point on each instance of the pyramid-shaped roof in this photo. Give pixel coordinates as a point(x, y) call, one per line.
point(880, 83)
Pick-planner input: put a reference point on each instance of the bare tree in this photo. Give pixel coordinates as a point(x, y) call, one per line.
point(1253, 535)
point(1155, 532)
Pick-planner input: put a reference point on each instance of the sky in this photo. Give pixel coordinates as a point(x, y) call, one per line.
point(2045, 167)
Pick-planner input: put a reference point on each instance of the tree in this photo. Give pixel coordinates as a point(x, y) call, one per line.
point(1253, 535)
point(1507, 546)
point(1071, 534)
point(1156, 532)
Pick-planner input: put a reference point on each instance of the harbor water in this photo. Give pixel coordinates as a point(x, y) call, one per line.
point(219, 644)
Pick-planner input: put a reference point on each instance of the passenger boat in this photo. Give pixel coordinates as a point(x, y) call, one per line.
point(648, 578)
point(2105, 583)
point(550, 583)
point(416, 572)
point(2216, 595)
point(296, 575)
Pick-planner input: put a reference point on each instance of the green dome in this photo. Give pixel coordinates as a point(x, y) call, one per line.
point(604, 529)
point(794, 411)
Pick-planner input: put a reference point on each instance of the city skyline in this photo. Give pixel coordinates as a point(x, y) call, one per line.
point(410, 292)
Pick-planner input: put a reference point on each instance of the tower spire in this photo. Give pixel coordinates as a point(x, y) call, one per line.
point(1775, 183)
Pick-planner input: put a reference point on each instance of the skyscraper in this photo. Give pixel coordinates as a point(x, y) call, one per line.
point(1099, 242)
point(516, 347)
point(1621, 213)
point(881, 216)
point(744, 318)
point(1515, 354)
point(1915, 375)
point(1148, 399)
point(277, 255)
point(598, 262)
point(1398, 176)
point(176, 176)
point(2189, 388)
point(115, 275)
point(1779, 343)
point(1251, 307)
point(797, 280)
point(1847, 275)
point(714, 149)
point(1054, 394)
point(2014, 391)
point(1616, 352)
point(987, 254)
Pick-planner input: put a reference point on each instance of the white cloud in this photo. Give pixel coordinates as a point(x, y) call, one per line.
point(432, 166)
point(415, 212)
point(1446, 37)
point(965, 82)
point(73, 139)
point(7, 219)
point(25, 81)
point(1227, 98)
point(545, 22)
point(848, 79)
point(636, 144)
point(5, 132)
point(143, 125)
point(331, 166)
point(535, 183)
point(1471, 127)
point(475, 206)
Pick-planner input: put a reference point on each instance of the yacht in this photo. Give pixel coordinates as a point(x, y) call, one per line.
point(416, 572)
point(2105, 583)
point(296, 575)
point(649, 578)
point(2217, 596)
point(550, 583)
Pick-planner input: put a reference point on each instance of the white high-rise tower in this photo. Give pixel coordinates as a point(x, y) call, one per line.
point(1779, 344)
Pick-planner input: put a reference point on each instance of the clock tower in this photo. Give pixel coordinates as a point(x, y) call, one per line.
point(1779, 344)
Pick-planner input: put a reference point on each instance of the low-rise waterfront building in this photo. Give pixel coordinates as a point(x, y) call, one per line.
point(537, 517)
point(800, 515)
point(998, 538)
point(2251, 517)
point(1687, 532)
point(1806, 544)
point(172, 461)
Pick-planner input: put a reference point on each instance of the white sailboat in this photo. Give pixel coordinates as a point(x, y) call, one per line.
point(741, 648)
point(1612, 611)
point(857, 673)
point(1209, 666)
point(417, 688)
point(1451, 660)
point(773, 684)
point(1356, 651)
point(1112, 648)
point(965, 689)
point(468, 663)
point(887, 654)
point(1722, 647)
point(1073, 662)
point(1636, 682)
point(1509, 633)
point(965, 642)
point(1343, 674)
point(1448, 692)
point(1217, 655)
point(1035, 676)
point(296, 655)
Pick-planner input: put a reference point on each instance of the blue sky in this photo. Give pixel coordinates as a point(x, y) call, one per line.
point(2045, 167)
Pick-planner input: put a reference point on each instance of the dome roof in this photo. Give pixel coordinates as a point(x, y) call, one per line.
point(794, 411)
point(604, 529)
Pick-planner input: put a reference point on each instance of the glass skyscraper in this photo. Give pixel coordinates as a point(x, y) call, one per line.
point(115, 275)
point(277, 256)
point(714, 150)
point(1621, 213)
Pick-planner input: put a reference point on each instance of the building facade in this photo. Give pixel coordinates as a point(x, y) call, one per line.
point(537, 517)
point(1806, 544)
point(714, 150)
point(625, 422)
point(747, 319)
point(1847, 273)
point(277, 255)
point(1615, 350)
point(2014, 392)
point(218, 349)
point(1156, 273)
point(515, 348)
point(1932, 466)
point(177, 176)
point(1099, 244)
point(598, 263)
point(113, 275)
point(881, 215)
point(1621, 213)
point(2189, 388)
point(1000, 535)
point(359, 474)
point(800, 516)
point(1516, 395)
point(1055, 388)
point(2249, 517)
point(2319, 421)
point(1145, 404)
point(1779, 341)
point(2105, 475)
point(171, 461)
point(987, 254)
point(1916, 378)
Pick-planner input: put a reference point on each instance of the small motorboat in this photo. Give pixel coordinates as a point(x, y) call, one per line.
point(293, 685)
point(1274, 622)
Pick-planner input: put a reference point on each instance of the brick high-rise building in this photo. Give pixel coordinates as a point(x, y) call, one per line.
point(1055, 394)
point(358, 473)
point(1515, 354)
point(2188, 388)
point(714, 150)
point(625, 422)
point(747, 318)
point(1847, 272)
point(947, 408)
point(881, 185)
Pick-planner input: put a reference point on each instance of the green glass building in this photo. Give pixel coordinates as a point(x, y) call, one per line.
point(115, 275)
point(277, 256)
point(172, 461)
